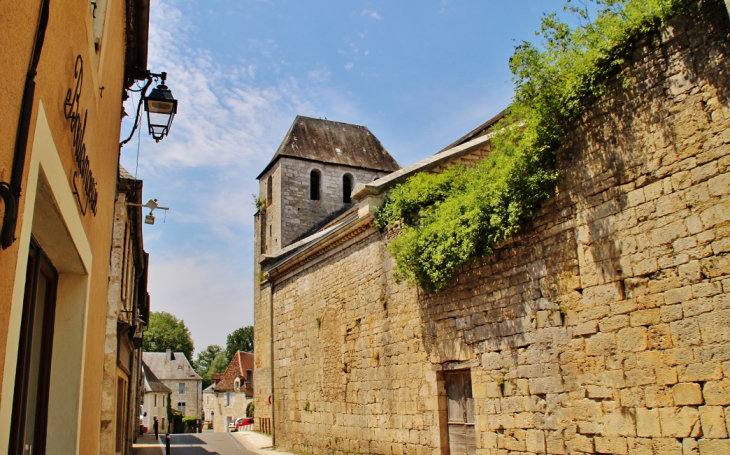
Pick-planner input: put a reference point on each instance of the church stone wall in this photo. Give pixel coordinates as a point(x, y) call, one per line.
point(602, 328)
point(300, 212)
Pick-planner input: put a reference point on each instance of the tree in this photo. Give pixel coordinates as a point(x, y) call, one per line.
point(205, 362)
point(169, 333)
point(240, 340)
point(219, 364)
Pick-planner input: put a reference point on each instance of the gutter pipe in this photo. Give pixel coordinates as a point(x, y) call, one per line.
point(10, 192)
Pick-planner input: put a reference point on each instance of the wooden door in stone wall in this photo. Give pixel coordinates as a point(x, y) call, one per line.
point(462, 434)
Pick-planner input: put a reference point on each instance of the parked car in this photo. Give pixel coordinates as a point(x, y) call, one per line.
point(232, 425)
point(243, 422)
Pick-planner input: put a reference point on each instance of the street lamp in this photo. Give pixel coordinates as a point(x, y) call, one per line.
point(161, 107)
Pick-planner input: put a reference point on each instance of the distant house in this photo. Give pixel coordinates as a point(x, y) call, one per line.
point(175, 372)
point(233, 391)
point(154, 403)
point(209, 405)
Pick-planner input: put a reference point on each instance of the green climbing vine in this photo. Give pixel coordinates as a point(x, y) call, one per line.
point(449, 218)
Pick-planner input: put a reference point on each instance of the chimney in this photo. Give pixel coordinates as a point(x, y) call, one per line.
point(169, 355)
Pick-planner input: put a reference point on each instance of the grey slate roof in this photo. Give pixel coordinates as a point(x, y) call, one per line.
point(166, 369)
point(153, 384)
point(481, 130)
point(123, 173)
point(333, 142)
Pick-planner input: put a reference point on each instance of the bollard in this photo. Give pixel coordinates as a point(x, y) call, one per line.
point(167, 444)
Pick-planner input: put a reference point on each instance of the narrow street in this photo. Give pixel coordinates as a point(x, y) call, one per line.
point(193, 444)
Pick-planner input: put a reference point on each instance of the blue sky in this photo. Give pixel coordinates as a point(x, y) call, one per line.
point(418, 74)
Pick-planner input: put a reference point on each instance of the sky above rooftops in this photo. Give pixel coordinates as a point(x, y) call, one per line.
point(418, 73)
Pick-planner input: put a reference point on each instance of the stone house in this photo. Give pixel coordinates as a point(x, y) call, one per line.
point(126, 317)
point(601, 327)
point(209, 405)
point(66, 67)
point(233, 391)
point(154, 402)
point(174, 370)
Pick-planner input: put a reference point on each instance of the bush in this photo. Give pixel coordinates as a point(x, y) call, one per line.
point(448, 219)
point(176, 422)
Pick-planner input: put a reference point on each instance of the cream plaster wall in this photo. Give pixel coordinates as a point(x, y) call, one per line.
point(49, 198)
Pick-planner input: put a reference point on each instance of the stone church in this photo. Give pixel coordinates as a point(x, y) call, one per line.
point(602, 327)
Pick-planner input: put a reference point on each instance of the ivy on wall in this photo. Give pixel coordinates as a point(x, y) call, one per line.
point(449, 218)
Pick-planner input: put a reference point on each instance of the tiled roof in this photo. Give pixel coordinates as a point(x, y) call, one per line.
point(152, 384)
point(167, 365)
point(123, 173)
point(241, 362)
point(332, 142)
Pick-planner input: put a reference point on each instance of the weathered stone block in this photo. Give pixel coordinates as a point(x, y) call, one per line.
point(719, 186)
point(645, 317)
point(714, 446)
point(632, 339)
point(686, 394)
point(620, 422)
point(714, 326)
point(713, 422)
point(666, 376)
point(640, 376)
point(602, 294)
point(535, 441)
point(679, 422)
point(685, 332)
point(577, 443)
point(716, 214)
point(678, 295)
point(659, 337)
point(585, 328)
point(601, 344)
point(717, 392)
point(647, 423)
point(701, 372)
point(616, 446)
point(666, 446)
point(658, 397)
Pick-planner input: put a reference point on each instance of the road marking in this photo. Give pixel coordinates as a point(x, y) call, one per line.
point(234, 440)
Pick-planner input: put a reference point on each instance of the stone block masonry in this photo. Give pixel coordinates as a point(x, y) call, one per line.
point(603, 328)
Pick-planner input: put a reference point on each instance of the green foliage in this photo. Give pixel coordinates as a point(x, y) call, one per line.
point(169, 410)
point(176, 422)
point(448, 219)
point(219, 364)
point(203, 364)
point(240, 340)
point(250, 409)
point(258, 202)
point(169, 333)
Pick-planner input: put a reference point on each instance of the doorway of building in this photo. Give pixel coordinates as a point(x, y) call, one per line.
point(32, 381)
point(462, 434)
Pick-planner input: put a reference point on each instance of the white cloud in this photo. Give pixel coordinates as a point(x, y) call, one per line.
point(319, 75)
point(349, 65)
point(224, 118)
point(371, 13)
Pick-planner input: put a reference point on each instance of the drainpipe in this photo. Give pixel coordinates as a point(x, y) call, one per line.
point(10, 192)
point(273, 395)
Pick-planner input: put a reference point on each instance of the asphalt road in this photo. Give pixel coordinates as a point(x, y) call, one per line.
point(206, 443)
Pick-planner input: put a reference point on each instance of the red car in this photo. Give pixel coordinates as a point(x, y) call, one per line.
point(243, 422)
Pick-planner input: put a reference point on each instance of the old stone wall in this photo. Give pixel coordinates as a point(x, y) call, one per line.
point(192, 397)
point(603, 328)
point(297, 209)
